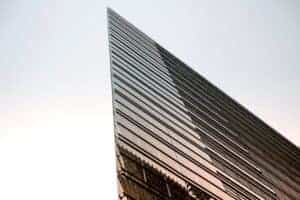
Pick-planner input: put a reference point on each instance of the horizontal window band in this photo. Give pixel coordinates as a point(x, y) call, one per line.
point(157, 98)
point(171, 117)
point(241, 171)
point(169, 103)
point(208, 147)
point(195, 140)
point(230, 151)
point(200, 163)
point(188, 175)
point(249, 166)
point(172, 92)
point(217, 122)
point(205, 93)
point(142, 142)
point(242, 187)
point(133, 29)
point(176, 150)
point(179, 139)
point(150, 85)
point(225, 148)
point(218, 193)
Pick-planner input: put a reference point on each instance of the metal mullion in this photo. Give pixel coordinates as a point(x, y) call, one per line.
point(211, 104)
point(163, 126)
point(186, 177)
point(182, 113)
point(183, 125)
point(208, 165)
point(137, 41)
point(166, 86)
point(209, 109)
point(126, 28)
point(135, 30)
point(242, 171)
point(232, 152)
point(154, 123)
point(205, 114)
point(214, 128)
point(141, 53)
point(166, 117)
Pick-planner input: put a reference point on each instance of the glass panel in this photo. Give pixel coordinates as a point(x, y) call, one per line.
point(135, 32)
point(198, 158)
point(145, 138)
point(147, 104)
point(158, 95)
point(152, 50)
point(140, 52)
point(181, 84)
point(135, 56)
point(157, 127)
point(157, 115)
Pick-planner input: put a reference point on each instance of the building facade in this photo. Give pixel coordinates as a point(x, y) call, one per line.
point(180, 137)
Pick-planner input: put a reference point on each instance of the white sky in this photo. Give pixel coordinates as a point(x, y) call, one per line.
point(56, 138)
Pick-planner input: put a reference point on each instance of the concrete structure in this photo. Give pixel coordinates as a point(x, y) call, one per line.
point(180, 137)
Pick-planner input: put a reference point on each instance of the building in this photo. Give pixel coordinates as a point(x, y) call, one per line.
point(180, 137)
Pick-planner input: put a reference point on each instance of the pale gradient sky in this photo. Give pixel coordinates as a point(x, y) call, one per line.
point(56, 137)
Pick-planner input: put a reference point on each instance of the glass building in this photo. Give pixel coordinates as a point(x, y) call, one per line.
point(179, 137)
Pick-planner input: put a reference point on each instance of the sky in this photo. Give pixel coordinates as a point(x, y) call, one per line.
point(56, 133)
